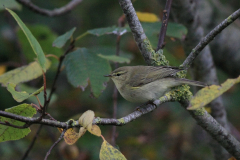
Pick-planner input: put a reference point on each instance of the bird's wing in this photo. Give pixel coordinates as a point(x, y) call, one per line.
point(152, 73)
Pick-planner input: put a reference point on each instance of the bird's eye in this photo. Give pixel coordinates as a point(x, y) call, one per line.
point(118, 74)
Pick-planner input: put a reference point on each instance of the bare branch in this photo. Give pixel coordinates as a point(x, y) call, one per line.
point(59, 139)
point(209, 37)
point(115, 91)
point(31, 121)
point(134, 115)
point(70, 48)
point(32, 143)
point(203, 68)
point(163, 30)
point(101, 121)
point(56, 12)
point(43, 108)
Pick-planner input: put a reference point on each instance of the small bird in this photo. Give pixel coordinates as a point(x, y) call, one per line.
point(143, 84)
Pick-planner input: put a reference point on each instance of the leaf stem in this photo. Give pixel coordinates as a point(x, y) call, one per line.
point(81, 36)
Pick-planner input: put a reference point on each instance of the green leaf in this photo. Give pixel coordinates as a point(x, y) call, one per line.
point(207, 94)
point(115, 58)
point(32, 40)
point(21, 96)
point(109, 30)
point(83, 65)
point(28, 89)
point(61, 40)
point(9, 133)
point(45, 38)
point(108, 51)
point(23, 74)
point(12, 4)
point(174, 30)
point(108, 152)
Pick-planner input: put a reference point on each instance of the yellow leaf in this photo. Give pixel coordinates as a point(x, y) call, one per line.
point(232, 158)
point(207, 94)
point(60, 130)
point(82, 131)
point(208, 109)
point(86, 119)
point(23, 74)
point(108, 152)
point(21, 96)
point(70, 136)
point(147, 17)
point(2, 69)
point(95, 130)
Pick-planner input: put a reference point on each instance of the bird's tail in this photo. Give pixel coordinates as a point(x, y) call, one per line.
point(191, 82)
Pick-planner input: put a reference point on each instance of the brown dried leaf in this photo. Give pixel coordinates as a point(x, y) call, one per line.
point(71, 136)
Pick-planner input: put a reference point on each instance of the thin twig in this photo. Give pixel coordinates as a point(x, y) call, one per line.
point(59, 139)
point(52, 55)
point(225, 9)
point(115, 94)
point(70, 48)
point(38, 101)
point(163, 30)
point(32, 143)
point(209, 37)
point(34, 105)
point(56, 12)
point(47, 101)
point(43, 108)
point(114, 128)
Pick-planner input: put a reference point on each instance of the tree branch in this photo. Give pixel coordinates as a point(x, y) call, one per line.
point(163, 30)
point(209, 37)
point(137, 31)
point(56, 12)
point(220, 134)
point(203, 67)
point(134, 115)
point(31, 121)
point(101, 121)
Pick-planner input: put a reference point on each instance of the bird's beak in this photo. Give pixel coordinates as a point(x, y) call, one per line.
point(109, 75)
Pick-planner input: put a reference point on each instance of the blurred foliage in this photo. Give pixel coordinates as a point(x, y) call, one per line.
point(167, 133)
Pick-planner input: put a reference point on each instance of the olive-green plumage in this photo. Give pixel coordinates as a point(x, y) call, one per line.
point(147, 83)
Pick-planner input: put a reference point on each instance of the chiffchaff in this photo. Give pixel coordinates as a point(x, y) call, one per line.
point(147, 83)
